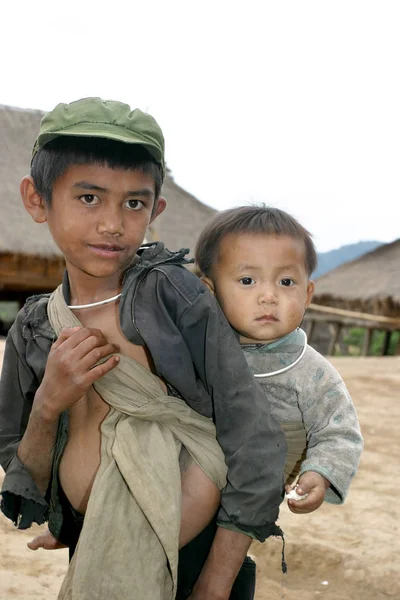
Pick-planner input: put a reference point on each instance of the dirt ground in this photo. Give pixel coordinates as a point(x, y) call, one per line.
point(349, 552)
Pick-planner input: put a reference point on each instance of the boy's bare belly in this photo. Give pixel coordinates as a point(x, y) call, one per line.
point(81, 457)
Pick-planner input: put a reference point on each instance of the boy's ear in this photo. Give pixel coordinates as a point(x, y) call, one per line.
point(208, 283)
point(310, 293)
point(33, 201)
point(159, 207)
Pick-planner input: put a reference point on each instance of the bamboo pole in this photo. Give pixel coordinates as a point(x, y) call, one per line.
point(352, 313)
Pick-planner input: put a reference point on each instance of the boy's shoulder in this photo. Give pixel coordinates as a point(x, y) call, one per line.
point(34, 311)
point(155, 259)
point(31, 321)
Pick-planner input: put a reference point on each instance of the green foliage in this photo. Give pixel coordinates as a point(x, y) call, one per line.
point(354, 341)
point(8, 311)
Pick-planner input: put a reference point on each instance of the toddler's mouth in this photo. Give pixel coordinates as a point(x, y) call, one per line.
point(267, 318)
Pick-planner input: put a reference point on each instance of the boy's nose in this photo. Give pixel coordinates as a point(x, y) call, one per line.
point(111, 222)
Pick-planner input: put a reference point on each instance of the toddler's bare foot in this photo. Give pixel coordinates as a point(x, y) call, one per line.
point(47, 541)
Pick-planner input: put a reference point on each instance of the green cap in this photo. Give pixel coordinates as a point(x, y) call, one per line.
point(94, 117)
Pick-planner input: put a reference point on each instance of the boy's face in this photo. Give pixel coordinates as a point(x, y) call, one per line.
point(262, 285)
point(98, 217)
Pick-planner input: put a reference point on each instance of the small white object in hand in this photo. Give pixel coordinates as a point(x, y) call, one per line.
point(293, 495)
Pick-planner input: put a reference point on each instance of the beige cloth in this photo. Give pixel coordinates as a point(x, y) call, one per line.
point(296, 439)
point(128, 547)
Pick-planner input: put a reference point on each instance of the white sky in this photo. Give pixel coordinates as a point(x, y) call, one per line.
point(295, 103)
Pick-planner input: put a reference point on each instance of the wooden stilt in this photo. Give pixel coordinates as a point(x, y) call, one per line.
point(366, 342)
point(335, 329)
point(386, 343)
point(308, 327)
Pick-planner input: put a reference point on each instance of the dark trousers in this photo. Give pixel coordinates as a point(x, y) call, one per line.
point(192, 558)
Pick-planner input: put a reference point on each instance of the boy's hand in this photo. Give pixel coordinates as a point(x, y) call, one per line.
point(71, 370)
point(315, 486)
point(47, 541)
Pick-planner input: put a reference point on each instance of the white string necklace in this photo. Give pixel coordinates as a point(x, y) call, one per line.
point(92, 304)
point(284, 369)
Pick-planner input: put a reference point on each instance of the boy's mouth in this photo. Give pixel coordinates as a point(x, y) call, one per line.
point(106, 249)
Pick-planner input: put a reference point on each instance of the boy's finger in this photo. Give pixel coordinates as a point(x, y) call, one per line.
point(64, 335)
point(72, 338)
point(93, 349)
point(100, 370)
point(97, 355)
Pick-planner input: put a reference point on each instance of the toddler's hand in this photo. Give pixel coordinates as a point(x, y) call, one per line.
point(47, 541)
point(315, 486)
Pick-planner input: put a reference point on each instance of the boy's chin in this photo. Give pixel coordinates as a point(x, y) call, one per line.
point(99, 271)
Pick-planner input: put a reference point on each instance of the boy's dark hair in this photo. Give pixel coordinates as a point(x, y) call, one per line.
point(51, 161)
point(250, 219)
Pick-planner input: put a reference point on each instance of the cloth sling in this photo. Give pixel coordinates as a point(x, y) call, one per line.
point(128, 547)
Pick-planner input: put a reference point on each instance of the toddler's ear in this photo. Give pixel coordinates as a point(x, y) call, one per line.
point(310, 293)
point(33, 201)
point(209, 283)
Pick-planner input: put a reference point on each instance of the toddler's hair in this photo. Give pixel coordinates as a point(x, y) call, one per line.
point(250, 219)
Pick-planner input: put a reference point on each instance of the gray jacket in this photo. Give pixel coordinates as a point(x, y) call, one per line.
point(313, 396)
point(168, 309)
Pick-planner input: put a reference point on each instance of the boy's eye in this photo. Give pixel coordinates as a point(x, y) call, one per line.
point(247, 281)
point(286, 282)
point(89, 199)
point(134, 204)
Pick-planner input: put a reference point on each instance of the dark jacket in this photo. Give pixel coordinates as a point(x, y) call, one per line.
point(168, 309)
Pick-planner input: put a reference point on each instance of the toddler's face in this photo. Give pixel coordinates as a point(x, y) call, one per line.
point(262, 285)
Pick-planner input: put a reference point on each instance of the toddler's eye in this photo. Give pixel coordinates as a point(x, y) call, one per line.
point(134, 204)
point(247, 281)
point(89, 199)
point(287, 282)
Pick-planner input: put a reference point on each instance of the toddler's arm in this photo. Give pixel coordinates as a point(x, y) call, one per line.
point(334, 441)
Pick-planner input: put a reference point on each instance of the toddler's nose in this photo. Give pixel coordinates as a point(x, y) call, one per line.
point(268, 295)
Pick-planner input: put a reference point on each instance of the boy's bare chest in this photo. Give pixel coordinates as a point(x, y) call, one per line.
point(106, 318)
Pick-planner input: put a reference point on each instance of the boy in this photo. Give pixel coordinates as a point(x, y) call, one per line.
point(131, 329)
point(257, 261)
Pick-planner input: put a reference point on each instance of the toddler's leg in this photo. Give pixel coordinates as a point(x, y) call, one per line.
point(200, 501)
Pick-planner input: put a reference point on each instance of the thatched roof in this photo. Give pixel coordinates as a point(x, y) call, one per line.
point(368, 284)
point(178, 227)
point(18, 233)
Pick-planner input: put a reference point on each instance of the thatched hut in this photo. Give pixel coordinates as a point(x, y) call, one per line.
point(30, 262)
point(361, 293)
